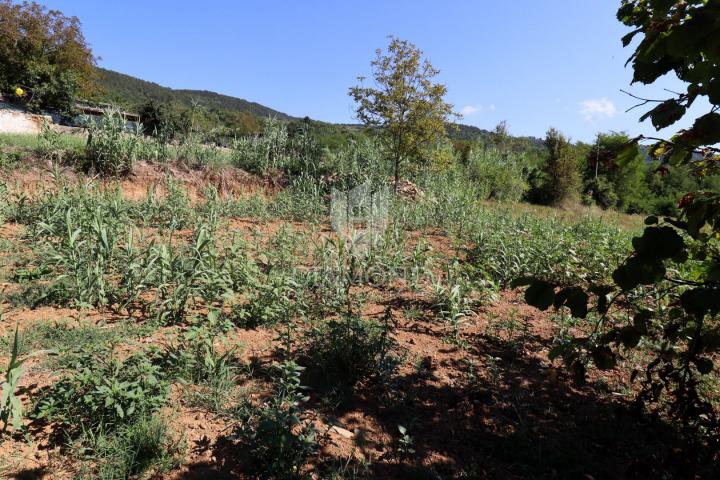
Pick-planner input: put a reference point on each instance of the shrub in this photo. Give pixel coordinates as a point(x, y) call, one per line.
point(146, 445)
point(278, 442)
point(349, 351)
point(498, 175)
point(600, 191)
point(276, 150)
point(104, 393)
point(111, 147)
point(195, 357)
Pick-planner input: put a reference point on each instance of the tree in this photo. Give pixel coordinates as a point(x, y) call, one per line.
point(666, 296)
point(44, 54)
point(406, 105)
point(563, 174)
point(614, 180)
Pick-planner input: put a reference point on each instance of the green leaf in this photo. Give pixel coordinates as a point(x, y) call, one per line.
point(706, 129)
point(704, 365)
point(626, 39)
point(651, 220)
point(630, 336)
point(714, 91)
point(603, 357)
point(665, 114)
point(659, 243)
point(575, 299)
point(540, 294)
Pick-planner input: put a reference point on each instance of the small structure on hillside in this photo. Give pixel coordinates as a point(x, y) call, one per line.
point(360, 214)
point(94, 112)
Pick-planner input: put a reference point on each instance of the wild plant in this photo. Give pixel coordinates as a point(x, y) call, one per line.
point(195, 356)
point(278, 439)
point(183, 276)
point(50, 145)
point(103, 393)
point(4, 204)
point(269, 302)
point(276, 150)
point(144, 447)
point(453, 299)
point(84, 254)
point(173, 211)
point(352, 350)
point(405, 445)
point(11, 412)
point(136, 273)
point(111, 146)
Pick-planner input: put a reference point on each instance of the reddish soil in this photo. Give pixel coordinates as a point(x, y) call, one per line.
point(490, 406)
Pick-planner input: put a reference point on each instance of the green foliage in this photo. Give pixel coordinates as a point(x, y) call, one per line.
point(111, 148)
point(277, 439)
point(615, 173)
point(147, 445)
point(679, 37)
point(196, 356)
point(507, 247)
point(161, 122)
point(562, 170)
point(498, 175)
point(43, 53)
point(351, 350)
point(104, 393)
point(665, 298)
point(453, 298)
point(406, 105)
point(11, 412)
point(276, 149)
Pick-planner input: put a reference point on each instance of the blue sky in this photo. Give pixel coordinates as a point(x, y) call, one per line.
point(532, 63)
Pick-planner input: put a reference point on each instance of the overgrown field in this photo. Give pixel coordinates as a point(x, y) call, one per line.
point(181, 329)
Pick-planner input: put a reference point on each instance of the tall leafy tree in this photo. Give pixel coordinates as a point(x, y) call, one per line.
point(665, 297)
point(562, 169)
point(405, 105)
point(44, 58)
point(612, 179)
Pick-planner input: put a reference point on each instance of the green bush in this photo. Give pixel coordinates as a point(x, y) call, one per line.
point(104, 393)
point(112, 147)
point(277, 440)
point(276, 150)
point(351, 350)
point(601, 192)
point(146, 445)
point(498, 175)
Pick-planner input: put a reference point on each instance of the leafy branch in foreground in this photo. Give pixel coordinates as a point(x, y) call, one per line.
point(664, 299)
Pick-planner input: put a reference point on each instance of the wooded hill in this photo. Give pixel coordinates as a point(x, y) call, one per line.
point(131, 92)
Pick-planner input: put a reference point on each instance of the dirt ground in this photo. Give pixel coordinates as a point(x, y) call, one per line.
point(491, 406)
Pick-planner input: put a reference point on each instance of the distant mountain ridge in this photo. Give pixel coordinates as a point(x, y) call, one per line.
point(130, 91)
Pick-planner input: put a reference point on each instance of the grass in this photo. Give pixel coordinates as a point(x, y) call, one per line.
point(29, 141)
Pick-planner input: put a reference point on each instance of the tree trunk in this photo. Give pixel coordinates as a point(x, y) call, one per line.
point(397, 173)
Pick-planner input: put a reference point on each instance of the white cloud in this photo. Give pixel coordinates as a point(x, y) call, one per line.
point(473, 109)
point(595, 109)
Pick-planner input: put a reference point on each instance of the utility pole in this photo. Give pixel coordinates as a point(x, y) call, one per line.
point(597, 154)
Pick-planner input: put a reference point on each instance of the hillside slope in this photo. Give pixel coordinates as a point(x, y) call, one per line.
point(131, 91)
